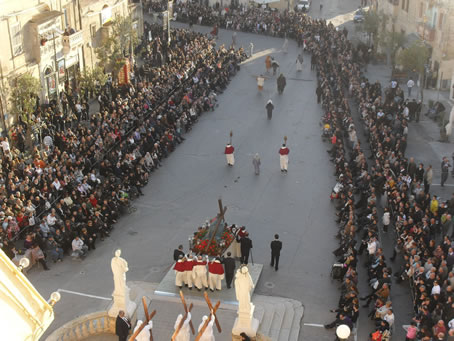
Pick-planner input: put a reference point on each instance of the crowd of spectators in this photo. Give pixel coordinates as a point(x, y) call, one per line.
point(83, 177)
point(387, 181)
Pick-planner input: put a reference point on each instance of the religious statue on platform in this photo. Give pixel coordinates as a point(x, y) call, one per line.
point(243, 288)
point(119, 269)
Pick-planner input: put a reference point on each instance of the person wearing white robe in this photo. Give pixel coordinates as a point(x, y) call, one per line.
point(215, 275)
point(180, 274)
point(208, 333)
point(199, 274)
point(183, 334)
point(144, 334)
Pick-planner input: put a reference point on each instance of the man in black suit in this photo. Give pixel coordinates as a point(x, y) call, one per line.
point(122, 326)
point(276, 246)
point(177, 253)
point(246, 246)
point(229, 269)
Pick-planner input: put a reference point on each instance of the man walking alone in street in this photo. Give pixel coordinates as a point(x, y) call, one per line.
point(276, 246)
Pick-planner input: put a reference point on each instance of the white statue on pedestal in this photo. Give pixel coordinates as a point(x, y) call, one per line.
point(121, 291)
point(243, 287)
point(119, 269)
point(245, 322)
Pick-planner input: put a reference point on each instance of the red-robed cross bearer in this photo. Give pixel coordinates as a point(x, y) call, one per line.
point(229, 154)
point(283, 155)
point(215, 274)
point(180, 276)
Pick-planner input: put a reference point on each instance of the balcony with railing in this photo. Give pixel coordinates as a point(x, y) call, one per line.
point(72, 41)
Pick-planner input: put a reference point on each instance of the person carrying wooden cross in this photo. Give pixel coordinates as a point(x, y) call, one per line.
point(208, 334)
point(184, 332)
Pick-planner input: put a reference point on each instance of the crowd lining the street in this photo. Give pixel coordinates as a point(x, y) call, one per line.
point(73, 190)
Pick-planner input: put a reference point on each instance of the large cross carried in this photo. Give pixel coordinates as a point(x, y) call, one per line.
point(148, 318)
point(212, 313)
point(219, 219)
point(186, 310)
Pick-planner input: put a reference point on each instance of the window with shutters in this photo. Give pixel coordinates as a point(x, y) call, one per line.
point(16, 38)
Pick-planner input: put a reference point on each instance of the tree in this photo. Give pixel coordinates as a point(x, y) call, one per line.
point(371, 24)
point(391, 42)
point(120, 43)
point(23, 96)
point(90, 78)
point(414, 59)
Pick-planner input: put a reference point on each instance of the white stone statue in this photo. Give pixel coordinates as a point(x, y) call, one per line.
point(243, 287)
point(121, 291)
point(245, 322)
point(119, 269)
point(144, 334)
point(183, 334)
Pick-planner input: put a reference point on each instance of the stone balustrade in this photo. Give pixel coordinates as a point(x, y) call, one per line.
point(84, 327)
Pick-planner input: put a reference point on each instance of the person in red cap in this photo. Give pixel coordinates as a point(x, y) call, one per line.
point(215, 274)
point(180, 276)
point(229, 154)
point(283, 152)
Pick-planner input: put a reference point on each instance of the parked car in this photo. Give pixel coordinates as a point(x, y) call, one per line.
point(359, 16)
point(303, 5)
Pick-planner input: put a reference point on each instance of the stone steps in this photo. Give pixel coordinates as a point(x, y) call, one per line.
point(281, 319)
point(296, 324)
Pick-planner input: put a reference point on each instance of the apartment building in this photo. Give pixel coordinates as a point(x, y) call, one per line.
point(432, 21)
point(54, 39)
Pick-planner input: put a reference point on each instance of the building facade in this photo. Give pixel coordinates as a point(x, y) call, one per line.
point(53, 40)
point(432, 21)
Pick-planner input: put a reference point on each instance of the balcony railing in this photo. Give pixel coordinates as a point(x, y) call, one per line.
point(73, 41)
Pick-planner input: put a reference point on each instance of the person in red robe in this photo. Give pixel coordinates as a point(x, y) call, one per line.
point(229, 154)
point(215, 274)
point(283, 155)
point(189, 265)
point(180, 276)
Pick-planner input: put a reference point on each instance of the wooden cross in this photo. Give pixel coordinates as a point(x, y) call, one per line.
point(180, 325)
point(205, 325)
point(186, 311)
point(220, 217)
point(147, 319)
point(210, 306)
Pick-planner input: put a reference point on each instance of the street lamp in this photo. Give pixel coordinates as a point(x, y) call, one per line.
point(24, 263)
point(343, 332)
point(54, 298)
